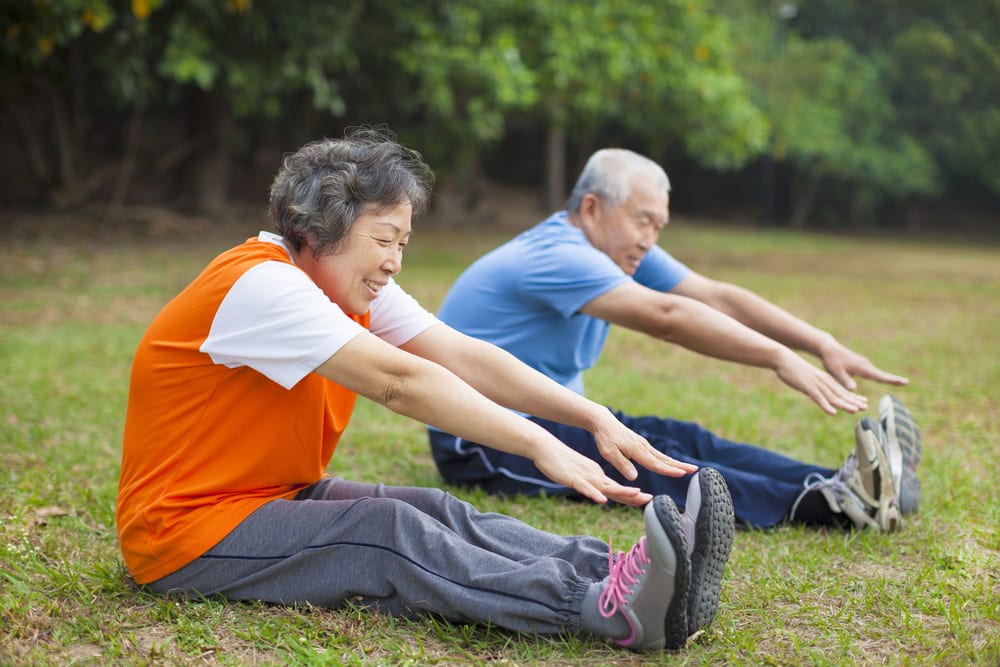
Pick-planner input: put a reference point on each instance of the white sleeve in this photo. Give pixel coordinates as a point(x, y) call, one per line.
point(278, 322)
point(396, 317)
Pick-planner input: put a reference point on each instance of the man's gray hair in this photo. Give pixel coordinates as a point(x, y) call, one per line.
point(609, 174)
point(325, 186)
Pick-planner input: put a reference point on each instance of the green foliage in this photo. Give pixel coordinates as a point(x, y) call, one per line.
point(40, 36)
point(461, 73)
point(697, 94)
point(187, 57)
point(939, 66)
point(941, 69)
point(32, 31)
point(829, 111)
point(663, 69)
point(887, 99)
point(835, 112)
point(258, 54)
point(462, 69)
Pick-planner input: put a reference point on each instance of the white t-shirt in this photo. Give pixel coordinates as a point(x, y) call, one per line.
point(276, 320)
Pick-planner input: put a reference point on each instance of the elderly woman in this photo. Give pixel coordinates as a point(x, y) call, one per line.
point(243, 384)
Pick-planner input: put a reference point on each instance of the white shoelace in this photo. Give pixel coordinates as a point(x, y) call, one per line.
point(816, 482)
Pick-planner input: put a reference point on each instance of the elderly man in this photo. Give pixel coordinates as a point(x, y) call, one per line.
point(549, 296)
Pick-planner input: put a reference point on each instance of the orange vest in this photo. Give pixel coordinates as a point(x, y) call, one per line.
point(206, 445)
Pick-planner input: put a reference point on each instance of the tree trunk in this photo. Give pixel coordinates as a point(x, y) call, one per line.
point(34, 145)
point(78, 69)
point(555, 168)
point(767, 191)
point(805, 200)
point(203, 177)
point(62, 124)
point(133, 137)
point(212, 179)
point(914, 215)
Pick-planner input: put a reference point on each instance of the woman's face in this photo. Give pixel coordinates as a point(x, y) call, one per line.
point(362, 264)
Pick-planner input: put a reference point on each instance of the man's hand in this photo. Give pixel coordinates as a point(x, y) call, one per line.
point(620, 446)
point(570, 468)
point(843, 364)
point(818, 385)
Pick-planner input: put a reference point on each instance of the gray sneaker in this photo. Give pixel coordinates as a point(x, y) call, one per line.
point(709, 526)
point(902, 432)
point(863, 488)
point(649, 584)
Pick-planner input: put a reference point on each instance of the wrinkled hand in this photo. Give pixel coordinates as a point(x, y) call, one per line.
point(843, 364)
point(818, 385)
point(570, 468)
point(621, 446)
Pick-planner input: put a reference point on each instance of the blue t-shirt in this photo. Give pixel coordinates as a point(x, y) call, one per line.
point(525, 296)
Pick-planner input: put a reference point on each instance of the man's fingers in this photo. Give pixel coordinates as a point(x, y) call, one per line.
point(850, 404)
point(844, 378)
point(820, 399)
point(888, 378)
point(830, 394)
point(824, 404)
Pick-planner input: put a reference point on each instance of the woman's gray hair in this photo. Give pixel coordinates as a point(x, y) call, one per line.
point(325, 186)
point(609, 174)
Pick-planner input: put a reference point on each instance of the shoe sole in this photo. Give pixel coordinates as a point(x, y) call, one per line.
point(887, 516)
point(675, 623)
point(714, 529)
point(902, 432)
point(900, 426)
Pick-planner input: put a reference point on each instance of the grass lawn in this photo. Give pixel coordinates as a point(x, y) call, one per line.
point(73, 311)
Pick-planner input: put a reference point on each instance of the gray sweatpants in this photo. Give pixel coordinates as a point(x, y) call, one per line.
point(401, 551)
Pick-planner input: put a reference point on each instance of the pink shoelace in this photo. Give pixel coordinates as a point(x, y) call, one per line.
point(623, 573)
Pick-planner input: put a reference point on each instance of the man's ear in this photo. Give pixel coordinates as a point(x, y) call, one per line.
point(590, 206)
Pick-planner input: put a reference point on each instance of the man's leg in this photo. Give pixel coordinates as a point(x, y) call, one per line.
point(763, 483)
point(466, 463)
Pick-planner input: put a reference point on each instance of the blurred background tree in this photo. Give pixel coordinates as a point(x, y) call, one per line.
point(846, 113)
point(833, 124)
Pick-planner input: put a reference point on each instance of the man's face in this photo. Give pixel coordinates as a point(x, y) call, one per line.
point(372, 252)
point(626, 232)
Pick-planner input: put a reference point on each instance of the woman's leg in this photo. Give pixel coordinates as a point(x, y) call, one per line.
point(394, 550)
point(499, 533)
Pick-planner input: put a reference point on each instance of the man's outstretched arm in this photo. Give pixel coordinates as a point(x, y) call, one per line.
point(703, 329)
point(761, 315)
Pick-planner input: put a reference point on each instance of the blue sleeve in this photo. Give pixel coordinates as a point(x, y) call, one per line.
point(566, 277)
point(660, 271)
